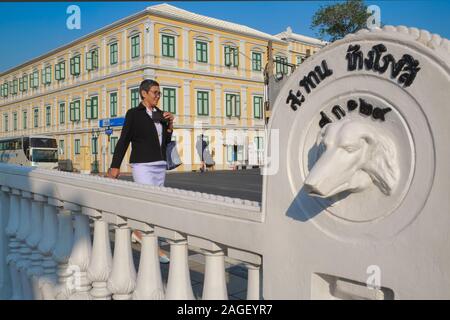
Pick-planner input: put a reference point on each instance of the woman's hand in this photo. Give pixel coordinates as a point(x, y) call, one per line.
point(169, 116)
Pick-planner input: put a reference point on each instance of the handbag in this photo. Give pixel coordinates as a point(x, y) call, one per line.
point(172, 157)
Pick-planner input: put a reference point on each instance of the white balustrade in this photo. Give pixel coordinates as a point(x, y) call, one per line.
point(62, 253)
point(253, 283)
point(179, 285)
point(23, 232)
point(80, 255)
point(5, 278)
point(214, 284)
point(100, 264)
point(122, 280)
point(46, 246)
point(149, 281)
point(36, 270)
point(14, 244)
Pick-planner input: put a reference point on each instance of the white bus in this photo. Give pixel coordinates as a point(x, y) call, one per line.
point(38, 151)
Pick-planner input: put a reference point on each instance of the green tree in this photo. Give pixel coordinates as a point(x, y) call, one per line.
point(336, 20)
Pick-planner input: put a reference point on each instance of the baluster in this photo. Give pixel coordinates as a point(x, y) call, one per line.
point(100, 265)
point(149, 282)
point(5, 277)
point(122, 280)
point(36, 270)
point(179, 285)
point(49, 279)
point(80, 255)
point(214, 284)
point(14, 244)
point(61, 255)
point(253, 281)
point(22, 233)
point(253, 263)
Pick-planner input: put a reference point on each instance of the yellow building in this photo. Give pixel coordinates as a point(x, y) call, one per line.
point(210, 72)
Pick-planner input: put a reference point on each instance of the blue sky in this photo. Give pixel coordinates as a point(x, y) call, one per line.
point(31, 29)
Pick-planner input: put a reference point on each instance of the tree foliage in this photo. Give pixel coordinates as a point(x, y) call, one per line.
point(336, 20)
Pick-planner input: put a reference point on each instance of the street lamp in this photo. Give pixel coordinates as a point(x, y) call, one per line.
point(95, 134)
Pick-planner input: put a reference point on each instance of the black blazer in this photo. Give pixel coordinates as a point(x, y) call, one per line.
point(140, 130)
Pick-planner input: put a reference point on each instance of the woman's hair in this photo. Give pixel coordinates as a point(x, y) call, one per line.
point(146, 85)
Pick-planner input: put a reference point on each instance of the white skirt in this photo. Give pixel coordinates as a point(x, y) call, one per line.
point(152, 173)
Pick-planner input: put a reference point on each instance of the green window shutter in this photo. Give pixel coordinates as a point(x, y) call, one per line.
point(89, 64)
point(15, 86)
point(71, 111)
point(228, 104)
point(202, 103)
point(57, 71)
point(48, 74)
point(113, 144)
point(95, 59)
point(113, 104)
point(169, 100)
point(134, 98)
point(15, 121)
point(77, 110)
point(113, 53)
point(237, 105)
point(62, 70)
point(168, 46)
point(62, 113)
point(76, 65)
point(235, 57)
point(72, 66)
point(227, 56)
point(88, 109)
point(36, 117)
point(48, 116)
point(256, 61)
point(257, 107)
point(94, 106)
point(25, 82)
point(135, 46)
point(201, 51)
point(77, 146)
point(42, 76)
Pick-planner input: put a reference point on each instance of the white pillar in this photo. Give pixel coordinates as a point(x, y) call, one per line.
point(100, 265)
point(123, 275)
point(25, 251)
point(14, 244)
point(61, 254)
point(35, 270)
point(46, 246)
point(253, 282)
point(80, 255)
point(5, 277)
point(185, 39)
point(149, 282)
point(151, 42)
point(179, 283)
point(215, 284)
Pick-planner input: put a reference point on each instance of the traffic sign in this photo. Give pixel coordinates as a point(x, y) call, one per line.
point(111, 122)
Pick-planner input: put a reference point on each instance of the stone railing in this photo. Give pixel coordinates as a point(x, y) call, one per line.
point(47, 252)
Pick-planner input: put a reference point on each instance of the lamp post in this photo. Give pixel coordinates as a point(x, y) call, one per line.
point(95, 140)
